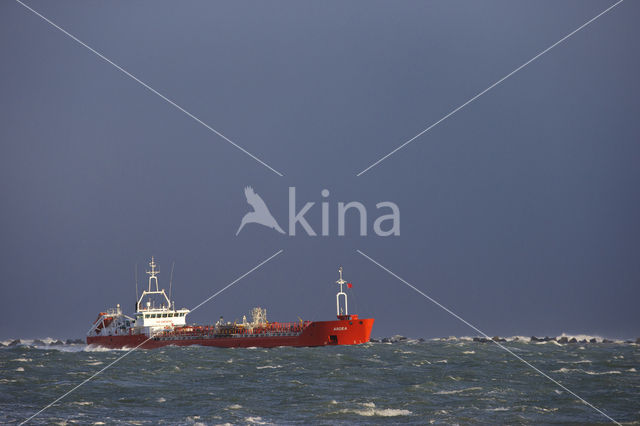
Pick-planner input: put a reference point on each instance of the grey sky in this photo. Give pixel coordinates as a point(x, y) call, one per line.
point(521, 212)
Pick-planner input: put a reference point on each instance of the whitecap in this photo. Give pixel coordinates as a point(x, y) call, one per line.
point(581, 361)
point(498, 409)
point(549, 341)
point(468, 352)
point(22, 359)
point(380, 412)
point(591, 373)
point(95, 363)
point(368, 404)
point(442, 361)
point(268, 366)
point(545, 410)
point(255, 420)
point(632, 370)
point(234, 407)
point(19, 369)
point(161, 400)
point(565, 370)
point(451, 392)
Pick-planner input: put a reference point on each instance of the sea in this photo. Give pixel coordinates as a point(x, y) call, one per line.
point(410, 381)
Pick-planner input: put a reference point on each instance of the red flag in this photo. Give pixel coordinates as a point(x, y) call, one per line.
point(349, 285)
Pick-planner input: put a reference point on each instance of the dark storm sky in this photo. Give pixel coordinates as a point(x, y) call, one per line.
point(521, 212)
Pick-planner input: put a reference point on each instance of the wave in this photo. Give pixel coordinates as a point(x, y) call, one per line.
point(255, 420)
point(579, 338)
point(377, 412)
point(453, 392)
point(591, 373)
point(44, 343)
point(595, 338)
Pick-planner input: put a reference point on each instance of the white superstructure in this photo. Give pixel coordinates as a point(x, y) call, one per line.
point(154, 312)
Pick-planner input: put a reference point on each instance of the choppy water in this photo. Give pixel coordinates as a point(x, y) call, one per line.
point(442, 382)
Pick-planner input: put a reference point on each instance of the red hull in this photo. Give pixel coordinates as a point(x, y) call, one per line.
point(318, 333)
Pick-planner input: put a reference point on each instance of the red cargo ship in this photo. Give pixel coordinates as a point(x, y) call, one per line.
point(157, 323)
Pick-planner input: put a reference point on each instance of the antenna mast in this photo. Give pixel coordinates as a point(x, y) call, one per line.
point(339, 312)
point(135, 274)
point(152, 273)
point(171, 278)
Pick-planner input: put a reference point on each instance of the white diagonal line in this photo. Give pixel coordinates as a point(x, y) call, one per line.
point(150, 337)
point(491, 87)
point(237, 279)
point(151, 89)
point(84, 381)
point(489, 338)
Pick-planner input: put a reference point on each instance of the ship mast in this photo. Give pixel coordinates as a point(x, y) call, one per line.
point(152, 273)
point(339, 310)
point(153, 280)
